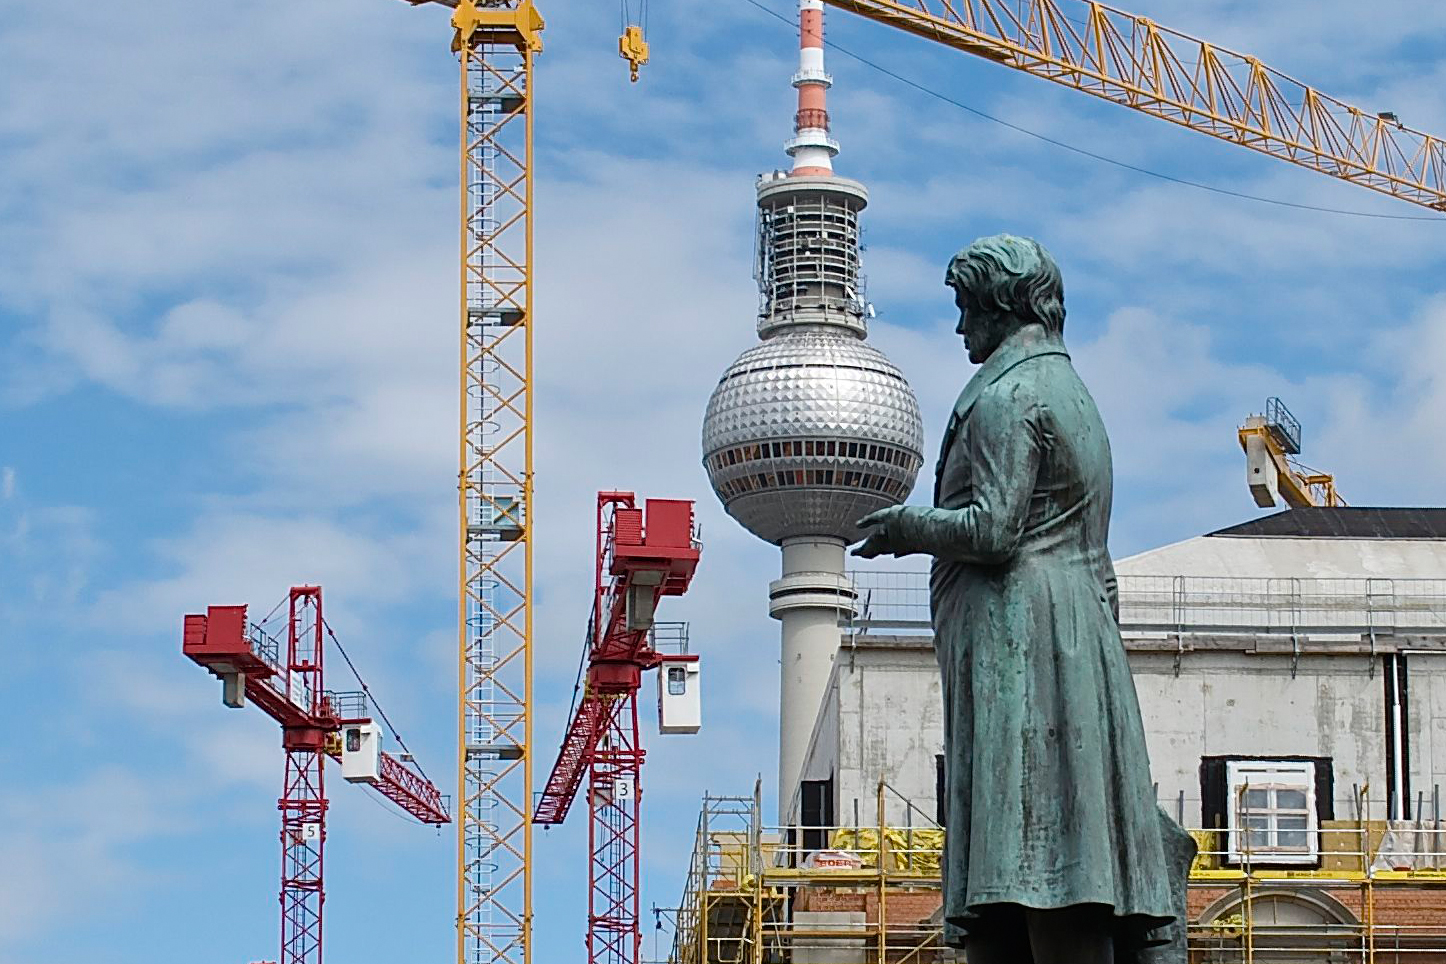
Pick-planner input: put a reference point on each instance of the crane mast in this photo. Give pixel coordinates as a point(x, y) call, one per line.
point(495, 46)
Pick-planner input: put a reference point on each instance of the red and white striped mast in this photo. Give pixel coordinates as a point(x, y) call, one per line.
point(811, 148)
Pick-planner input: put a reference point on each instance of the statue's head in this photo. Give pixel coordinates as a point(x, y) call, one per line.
point(1001, 284)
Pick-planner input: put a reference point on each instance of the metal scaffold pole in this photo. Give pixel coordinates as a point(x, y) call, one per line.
point(494, 897)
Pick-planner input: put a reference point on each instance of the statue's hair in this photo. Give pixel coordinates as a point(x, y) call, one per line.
point(1013, 275)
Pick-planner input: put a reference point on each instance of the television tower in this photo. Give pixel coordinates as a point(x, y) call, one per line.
point(812, 428)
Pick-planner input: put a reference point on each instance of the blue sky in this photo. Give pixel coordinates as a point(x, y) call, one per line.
point(227, 274)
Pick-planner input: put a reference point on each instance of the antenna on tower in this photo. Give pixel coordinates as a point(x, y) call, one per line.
point(811, 147)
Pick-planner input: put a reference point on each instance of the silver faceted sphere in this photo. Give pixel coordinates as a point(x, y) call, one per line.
point(808, 432)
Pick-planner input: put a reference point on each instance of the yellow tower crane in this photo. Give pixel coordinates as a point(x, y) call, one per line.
point(1271, 443)
point(1088, 46)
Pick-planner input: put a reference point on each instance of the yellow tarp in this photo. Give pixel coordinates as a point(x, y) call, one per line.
point(1206, 841)
point(909, 851)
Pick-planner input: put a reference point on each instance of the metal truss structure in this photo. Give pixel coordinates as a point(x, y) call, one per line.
point(495, 46)
point(1132, 61)
point(752, 890)
point(303, 798)
point(642, 555)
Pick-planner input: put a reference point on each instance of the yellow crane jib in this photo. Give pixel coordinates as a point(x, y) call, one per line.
point(1133, 61)
point(1270, 442)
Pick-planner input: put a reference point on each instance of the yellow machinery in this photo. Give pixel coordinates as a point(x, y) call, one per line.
point(1081, 44)
point(1271, 443)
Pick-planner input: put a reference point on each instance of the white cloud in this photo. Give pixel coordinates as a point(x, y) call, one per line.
point(229, 558)
point(67, 845)
point(46, 556)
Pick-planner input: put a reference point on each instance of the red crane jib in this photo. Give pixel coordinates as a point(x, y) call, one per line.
point(648, 553)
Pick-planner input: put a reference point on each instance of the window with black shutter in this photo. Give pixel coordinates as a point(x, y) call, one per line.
point(1269, 809)
point(816, 813)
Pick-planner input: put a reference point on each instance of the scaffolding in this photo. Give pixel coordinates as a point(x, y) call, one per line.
point(871, 894)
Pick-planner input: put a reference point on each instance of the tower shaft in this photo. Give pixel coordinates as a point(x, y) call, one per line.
point(808, 601)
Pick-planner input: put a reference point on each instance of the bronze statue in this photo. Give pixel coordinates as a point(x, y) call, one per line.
point(1056, 850)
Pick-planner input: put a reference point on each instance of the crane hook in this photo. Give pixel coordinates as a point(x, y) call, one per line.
point(633, 48)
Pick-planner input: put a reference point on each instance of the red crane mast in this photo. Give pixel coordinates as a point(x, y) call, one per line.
point(643, 554)
point(285, 680)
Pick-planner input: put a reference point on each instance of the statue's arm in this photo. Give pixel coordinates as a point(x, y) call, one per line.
point(1006, 438)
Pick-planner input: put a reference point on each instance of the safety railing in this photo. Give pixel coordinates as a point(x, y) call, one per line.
point(894, 602)
point(669, 638)
point(349, 704)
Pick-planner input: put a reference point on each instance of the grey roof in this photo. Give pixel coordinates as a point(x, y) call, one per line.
point(1345, 523)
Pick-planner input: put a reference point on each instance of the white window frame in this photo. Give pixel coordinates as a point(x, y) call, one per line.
point(1270, 775)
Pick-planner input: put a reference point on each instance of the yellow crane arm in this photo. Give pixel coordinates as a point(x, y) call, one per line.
point(1271, 442)
point(1133, 61)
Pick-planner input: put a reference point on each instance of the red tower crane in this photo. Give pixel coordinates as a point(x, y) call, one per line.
point(282, 674)
point(643, 554)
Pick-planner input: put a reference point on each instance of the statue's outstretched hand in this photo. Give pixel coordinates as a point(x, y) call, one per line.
point(880, 540)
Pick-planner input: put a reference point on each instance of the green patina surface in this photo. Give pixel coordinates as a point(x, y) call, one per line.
point(1048, 787)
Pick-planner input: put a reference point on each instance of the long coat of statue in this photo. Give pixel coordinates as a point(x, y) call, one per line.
point(1048, 790)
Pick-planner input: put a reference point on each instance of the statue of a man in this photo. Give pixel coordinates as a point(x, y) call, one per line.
point(1055, 847)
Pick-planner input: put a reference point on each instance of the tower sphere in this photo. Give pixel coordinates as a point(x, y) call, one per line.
point(808, 432)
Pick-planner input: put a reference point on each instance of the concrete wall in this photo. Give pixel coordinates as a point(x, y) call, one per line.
point(882, 716)
point(1426, 705)
point(1227, 703)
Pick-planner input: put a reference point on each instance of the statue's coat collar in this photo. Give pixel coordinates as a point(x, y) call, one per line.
point(1018, 347)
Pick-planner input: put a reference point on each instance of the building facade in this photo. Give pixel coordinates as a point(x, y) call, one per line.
point(1290, 679)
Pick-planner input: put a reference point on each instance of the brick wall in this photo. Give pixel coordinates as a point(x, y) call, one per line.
point(1410, 921)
